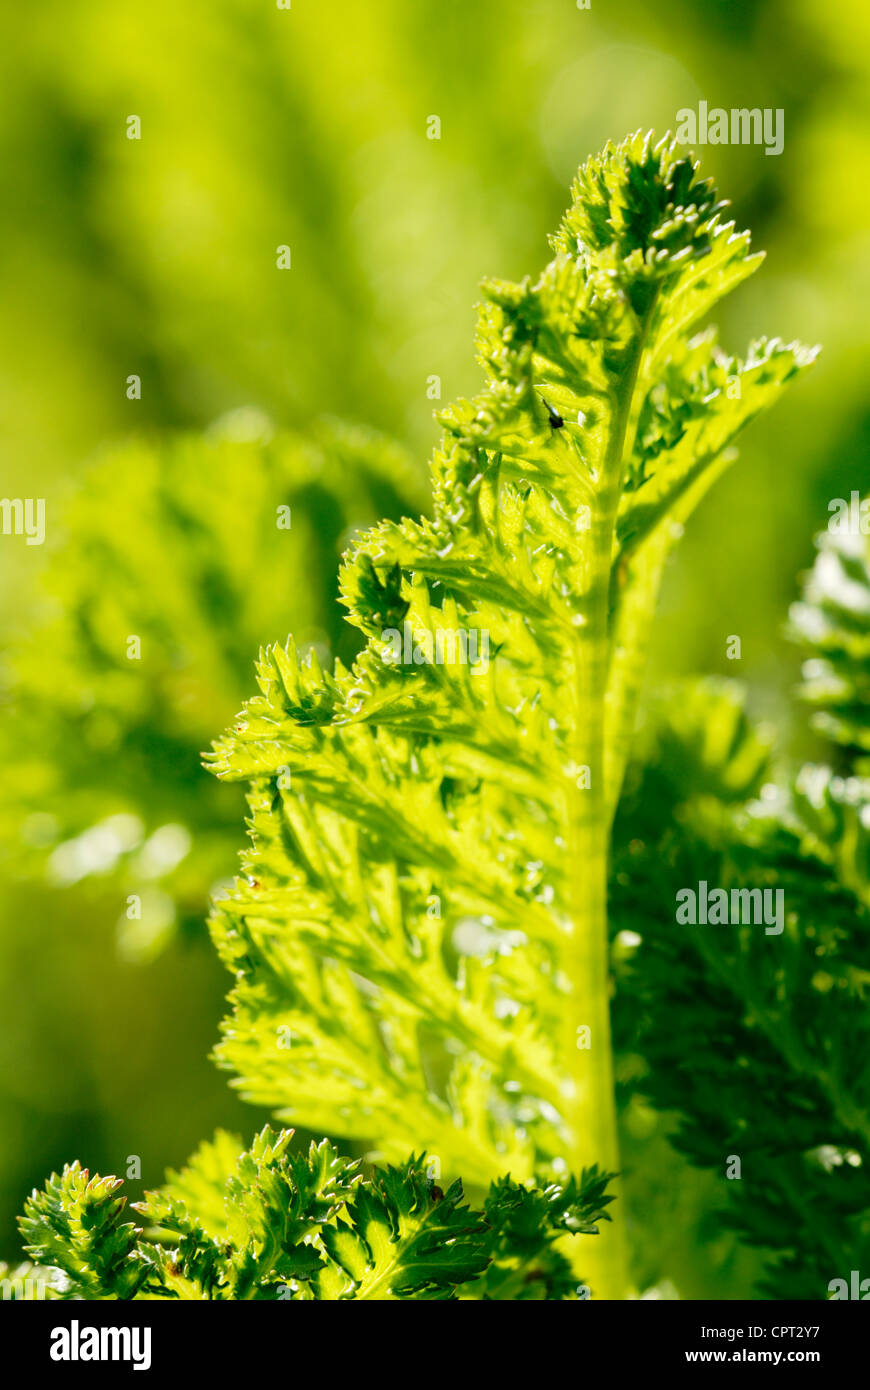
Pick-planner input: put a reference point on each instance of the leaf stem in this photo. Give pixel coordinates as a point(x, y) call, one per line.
point(591, 1104)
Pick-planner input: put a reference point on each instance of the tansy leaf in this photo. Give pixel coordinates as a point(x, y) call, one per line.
point(163, 573)
point(753, 1031)
point(419, 937)
point(305, 1227)
point(832, 624)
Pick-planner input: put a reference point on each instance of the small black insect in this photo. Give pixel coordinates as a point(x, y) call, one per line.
point(556, 421)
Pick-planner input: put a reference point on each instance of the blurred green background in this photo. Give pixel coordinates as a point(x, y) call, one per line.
point(307, 128)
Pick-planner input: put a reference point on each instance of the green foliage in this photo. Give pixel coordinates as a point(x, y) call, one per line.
point(268, 1223)
point(165, 545)
point(420, 929)
point(832, 624)
point(757, 1042)
point(75, 1225)
point(696, 740)
point(373, 305)
point(419, 936)
point(526, 1224)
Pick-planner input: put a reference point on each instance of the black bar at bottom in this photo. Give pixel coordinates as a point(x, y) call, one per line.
point(85, 1340)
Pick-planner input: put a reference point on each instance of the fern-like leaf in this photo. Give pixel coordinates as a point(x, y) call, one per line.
point(75, 1225)
point(306, 1227)
point(757, 1041)
point(832, 625)
point(420, 929)
point(165, 547)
